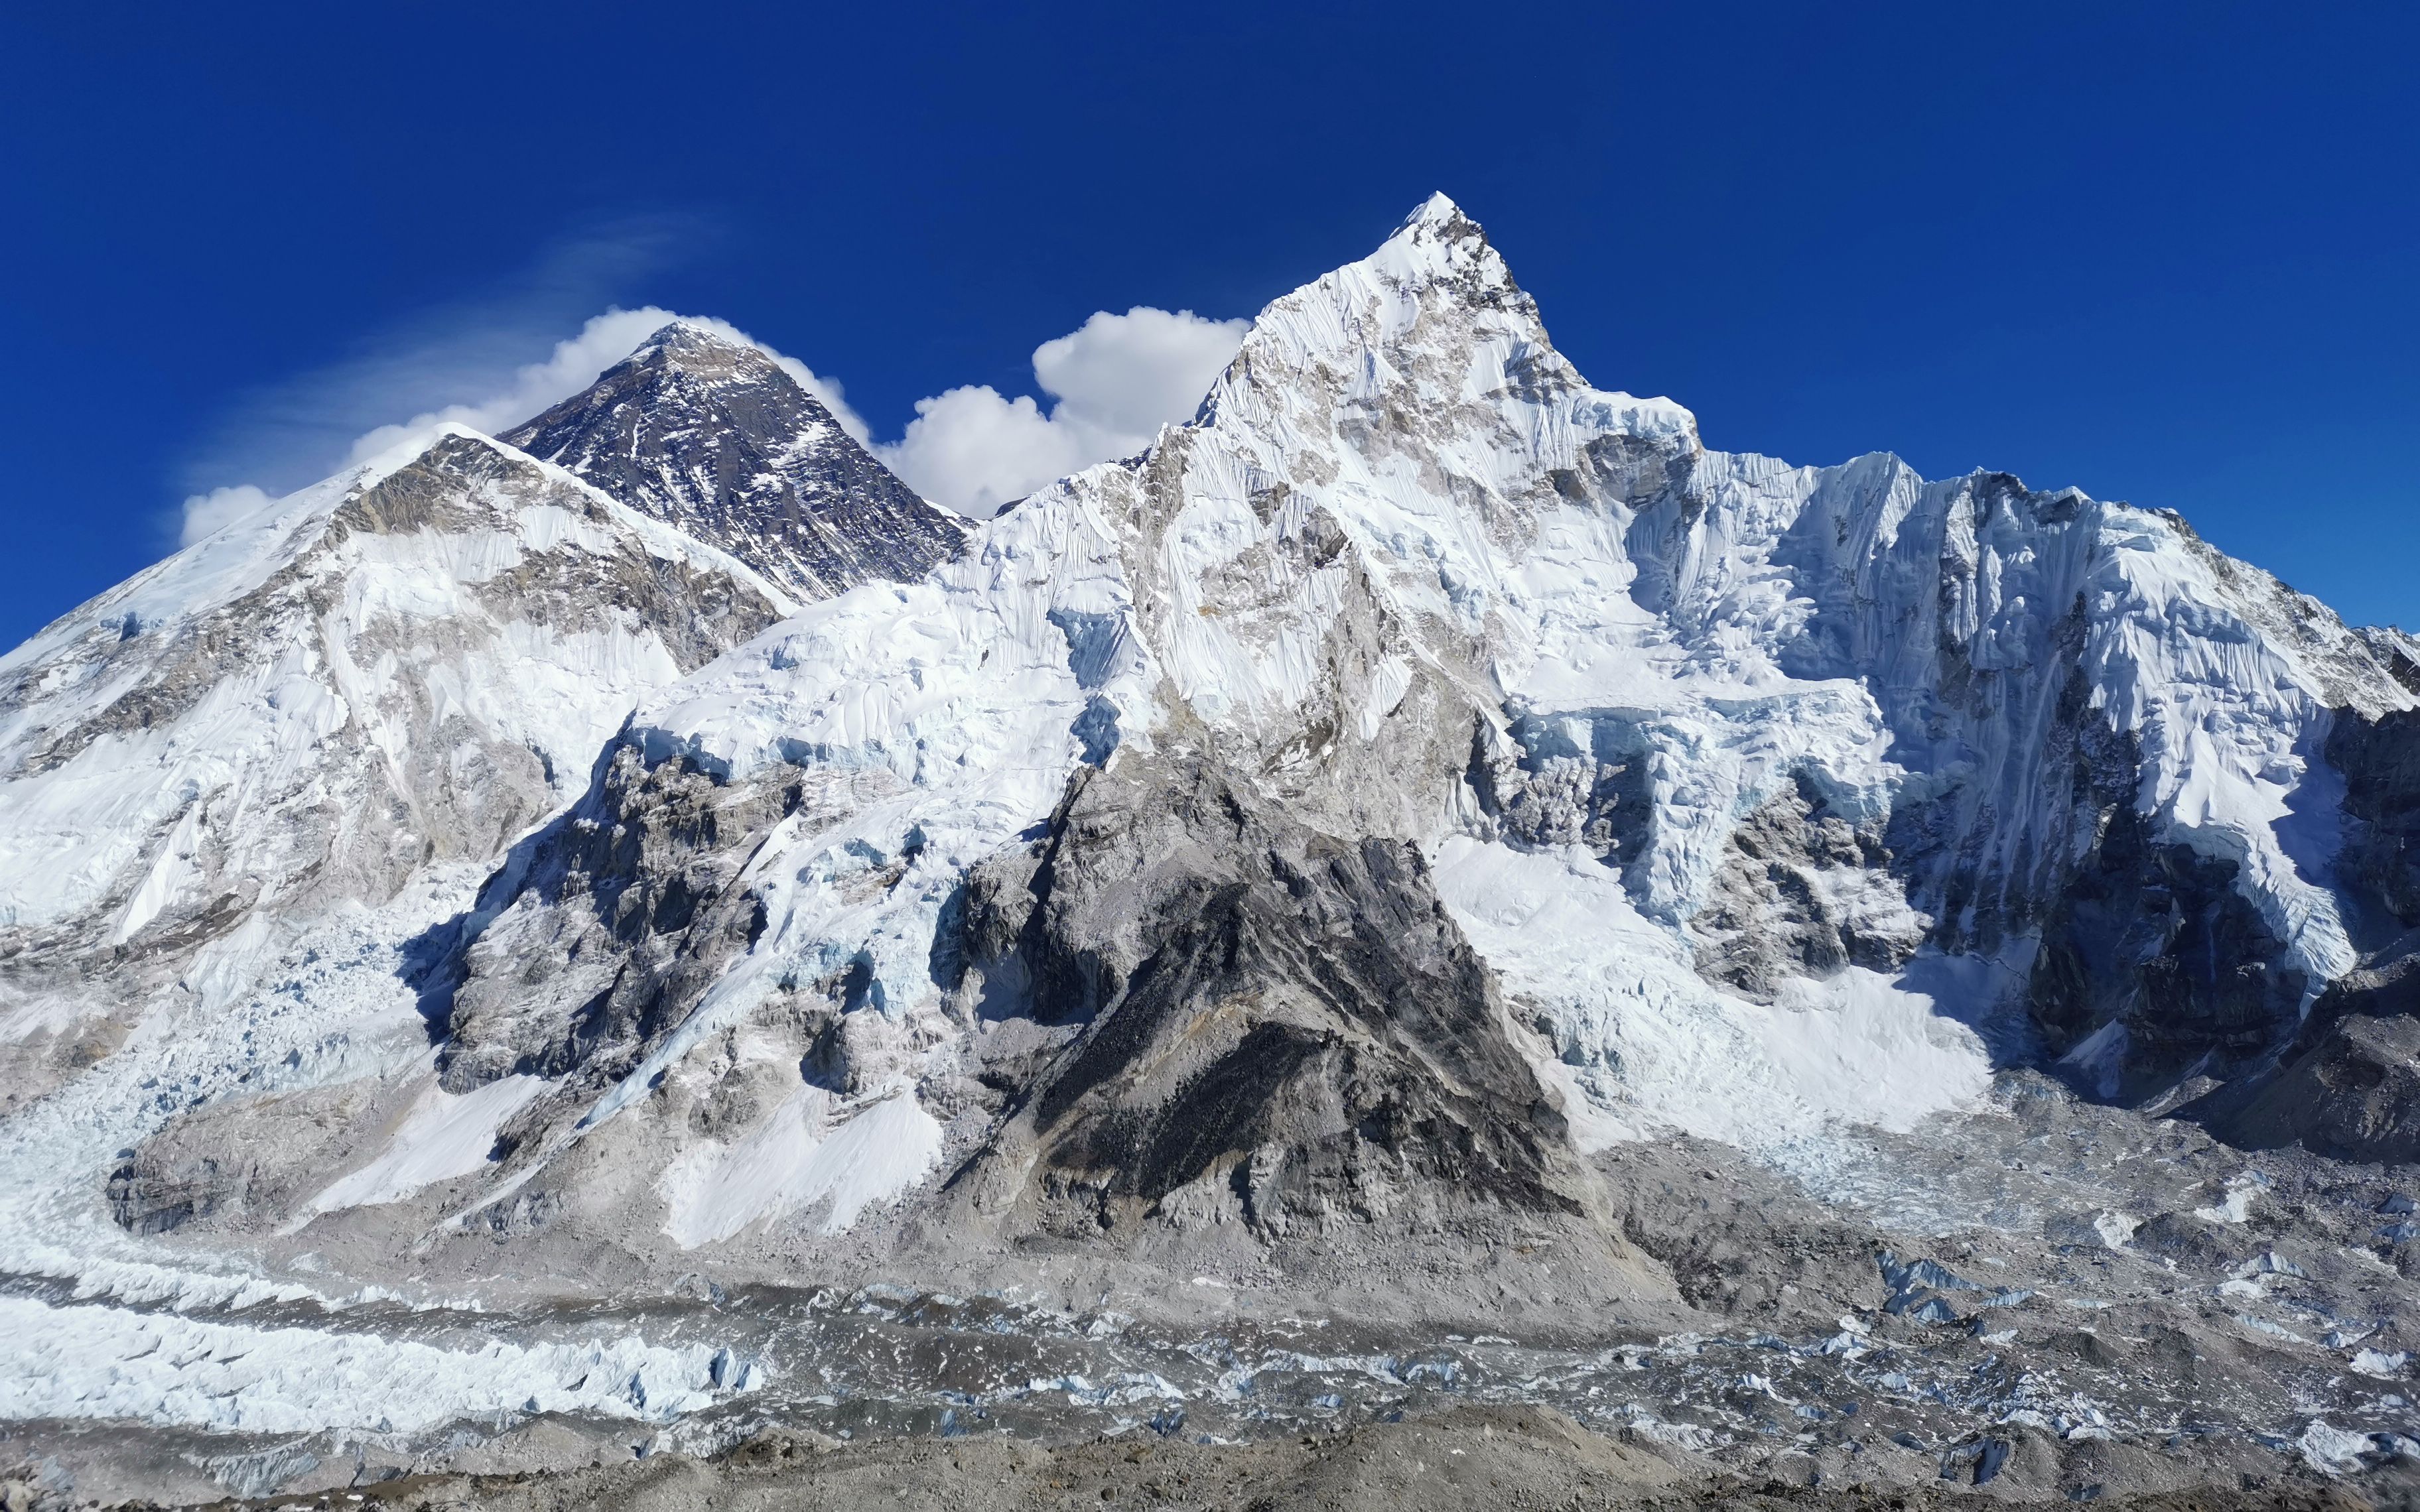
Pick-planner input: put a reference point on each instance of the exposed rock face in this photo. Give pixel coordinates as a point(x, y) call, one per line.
point(2155, 968)
point(211, 1166)
point(2353, 1092)
point(614, 922)
point(2347, 1082)
point(2379, 861)
point(1803, 893)
point(711, 435)
point(1281, 1028)
point(1543, 789)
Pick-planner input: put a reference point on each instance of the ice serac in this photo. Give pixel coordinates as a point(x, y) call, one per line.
point(708, 434)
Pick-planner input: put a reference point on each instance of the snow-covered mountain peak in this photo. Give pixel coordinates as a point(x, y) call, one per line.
point(701, 349)
point(1431, 325)
point(407, 662)
point(1437, 209)
point(1417, 777)
point(1438, 225)
point(1404, 527)
point(708, 434)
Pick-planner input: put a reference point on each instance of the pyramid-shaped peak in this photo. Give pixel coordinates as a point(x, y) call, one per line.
point(701, 429)
point(1437, 239)
point(707, 347)
point(1436, 260)
point(1438, 213)
point(1432, 311)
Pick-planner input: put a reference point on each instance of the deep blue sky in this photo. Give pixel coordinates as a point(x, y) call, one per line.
point(2165, 252)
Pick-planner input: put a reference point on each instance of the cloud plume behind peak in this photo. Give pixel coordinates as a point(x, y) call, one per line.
point(1112, 384)
point(492, 400)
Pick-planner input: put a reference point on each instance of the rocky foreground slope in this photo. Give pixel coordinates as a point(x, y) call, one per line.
point(1428, 886)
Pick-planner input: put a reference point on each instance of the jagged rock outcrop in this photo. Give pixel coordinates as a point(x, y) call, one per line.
point(1803, 892)
point(2344, 1083)
point(2350, 1089)
point(604, 933)
point(709, 435)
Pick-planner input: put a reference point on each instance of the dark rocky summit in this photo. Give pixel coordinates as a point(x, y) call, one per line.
point(710, 434)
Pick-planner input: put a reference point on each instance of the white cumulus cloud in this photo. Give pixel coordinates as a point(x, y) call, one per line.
point(1115, 380)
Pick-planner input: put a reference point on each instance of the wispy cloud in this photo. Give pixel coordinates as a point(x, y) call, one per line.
point(1116, 379)
point(207, 513)
point(287, 434)
point(491, 401)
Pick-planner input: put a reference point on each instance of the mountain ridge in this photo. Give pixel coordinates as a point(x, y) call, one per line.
point(1374, 858)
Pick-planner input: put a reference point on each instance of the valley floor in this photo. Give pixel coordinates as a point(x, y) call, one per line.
point(1467, 1458)
point(2044, 1300)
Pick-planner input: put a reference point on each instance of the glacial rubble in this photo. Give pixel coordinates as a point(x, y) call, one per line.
point(1429, 884)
